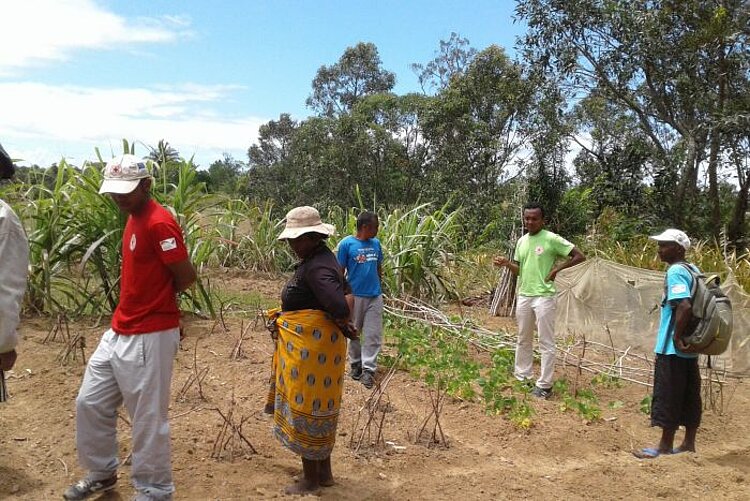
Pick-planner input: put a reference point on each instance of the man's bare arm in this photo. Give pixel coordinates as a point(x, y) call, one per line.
point(504, 262)
point(183, 274)
point(682, 312)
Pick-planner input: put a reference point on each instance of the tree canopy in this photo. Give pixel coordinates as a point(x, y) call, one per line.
point(628, 109)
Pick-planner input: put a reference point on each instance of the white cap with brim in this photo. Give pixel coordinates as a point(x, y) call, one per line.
point(673, 235)
point(301, 220)
point(122, 174)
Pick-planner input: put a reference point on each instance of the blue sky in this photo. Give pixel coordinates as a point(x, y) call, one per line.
point(204, 75)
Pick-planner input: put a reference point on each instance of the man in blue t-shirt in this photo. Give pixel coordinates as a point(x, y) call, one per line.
point(361, 257)
point(676, 397)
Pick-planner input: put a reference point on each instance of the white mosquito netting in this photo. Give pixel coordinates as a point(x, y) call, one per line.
point(616, 304)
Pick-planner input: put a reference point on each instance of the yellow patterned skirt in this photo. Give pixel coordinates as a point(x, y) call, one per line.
point(306, 381)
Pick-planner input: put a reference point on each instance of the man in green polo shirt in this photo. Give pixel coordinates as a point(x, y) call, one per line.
point(534, 262)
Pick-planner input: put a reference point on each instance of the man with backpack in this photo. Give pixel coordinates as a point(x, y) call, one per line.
point(676, 399)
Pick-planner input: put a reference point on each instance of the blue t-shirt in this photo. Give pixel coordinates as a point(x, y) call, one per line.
point(679, 282)
point(361, 259)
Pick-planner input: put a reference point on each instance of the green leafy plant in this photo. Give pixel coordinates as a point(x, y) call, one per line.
point(75, 237)
point(503, 393)
point(584, 401)
point(606, 381)
point(443, 361)
point(419, 245)
point(645, 405)
point(436, 357)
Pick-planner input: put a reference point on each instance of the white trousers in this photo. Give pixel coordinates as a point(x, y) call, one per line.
point(368, 319)
point(135, 370)
point(536, 312)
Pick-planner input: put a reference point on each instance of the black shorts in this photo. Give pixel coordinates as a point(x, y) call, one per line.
point(677, 393)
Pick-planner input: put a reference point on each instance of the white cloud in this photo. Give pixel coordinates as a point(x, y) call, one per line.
point(37, 32)
point(73, 120)
point(41, 122)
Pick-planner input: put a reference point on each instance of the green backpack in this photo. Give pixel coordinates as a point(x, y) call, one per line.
point(710, 328)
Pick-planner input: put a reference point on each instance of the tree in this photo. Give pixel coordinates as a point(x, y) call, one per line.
point(672, 65)
point(453, 56)
point(284, 165)
point(274, 141)
point(224, 175)
point(372, 155)
point(269, 160)
point(474, 129)
point(391, 171)
point(546, 128)
point(615, 157)
point(737, 131)
point(358, 73)
point(164, 156)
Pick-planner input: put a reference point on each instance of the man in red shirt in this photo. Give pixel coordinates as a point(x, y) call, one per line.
point(133, 362)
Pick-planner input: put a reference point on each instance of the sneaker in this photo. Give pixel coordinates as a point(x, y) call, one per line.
point(368, 379)
point(87, 487)
point(356, 372)
point(544, 393)
point(144, 496)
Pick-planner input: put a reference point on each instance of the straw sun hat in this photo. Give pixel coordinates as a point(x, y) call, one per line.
point(301, 220)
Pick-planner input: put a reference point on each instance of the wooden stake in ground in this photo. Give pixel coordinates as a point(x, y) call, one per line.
point(231, 442)
point(437, 399)
point(713, 389)
point(368, 414)
point(237, 352)
point(504, 300)
point(72, 348)
point(59, 332)
point(196, 377)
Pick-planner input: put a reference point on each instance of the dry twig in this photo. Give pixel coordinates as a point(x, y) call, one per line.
point(196, 377)
point(367, 413)
point(230, 441)
point(237, 352)
point(437, 399)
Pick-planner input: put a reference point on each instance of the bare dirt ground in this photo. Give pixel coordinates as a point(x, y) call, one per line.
point(487, 457)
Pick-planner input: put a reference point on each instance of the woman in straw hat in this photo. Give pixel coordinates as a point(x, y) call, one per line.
point(310, 350)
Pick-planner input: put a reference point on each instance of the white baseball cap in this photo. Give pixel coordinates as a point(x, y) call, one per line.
point(673, 235)
point(123, 173)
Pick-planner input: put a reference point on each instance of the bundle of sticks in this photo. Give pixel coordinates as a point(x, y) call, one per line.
point(504, 298)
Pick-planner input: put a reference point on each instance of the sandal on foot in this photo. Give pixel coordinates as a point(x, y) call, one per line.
point(647, 453)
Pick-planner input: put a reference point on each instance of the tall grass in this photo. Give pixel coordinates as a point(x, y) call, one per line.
point(75, 239)
point(75, 236)
point(246, 237)
point(67, 222)
point(420, 246)
point(640, 252)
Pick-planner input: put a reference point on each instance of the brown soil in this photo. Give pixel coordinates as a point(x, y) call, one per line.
point(487, 457)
